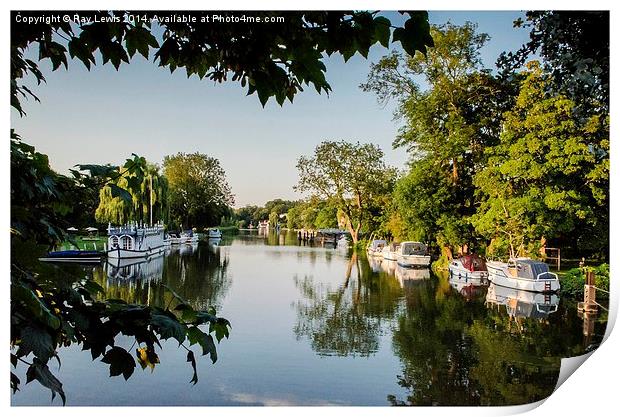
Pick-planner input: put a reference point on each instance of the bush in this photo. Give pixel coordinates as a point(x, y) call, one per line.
point(574, 279)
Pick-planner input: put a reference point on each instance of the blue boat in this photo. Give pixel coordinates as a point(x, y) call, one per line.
point(77, 256)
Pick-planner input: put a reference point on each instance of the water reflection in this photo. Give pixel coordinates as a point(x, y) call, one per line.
point(470, 289)
point(522, 303)
point(347, 320)
point(198, 273)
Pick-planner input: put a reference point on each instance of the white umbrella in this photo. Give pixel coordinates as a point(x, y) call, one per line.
point(72, 229)
point(91, 229)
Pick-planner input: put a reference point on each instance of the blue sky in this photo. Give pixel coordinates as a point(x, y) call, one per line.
point(104, 115)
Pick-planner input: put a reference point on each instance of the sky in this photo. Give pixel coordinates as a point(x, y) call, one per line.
point(103, 115)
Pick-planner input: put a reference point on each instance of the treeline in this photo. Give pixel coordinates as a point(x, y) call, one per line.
point(312, 213)
point(188, 190)
point(503, 163)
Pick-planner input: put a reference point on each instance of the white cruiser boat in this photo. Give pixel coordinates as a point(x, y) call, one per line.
point(523, 274)
point(413, 254)
point(375, 247)
point(390, 252)
point(469, 268)
point(214, 234)
point(135, 241)
point(522, 303)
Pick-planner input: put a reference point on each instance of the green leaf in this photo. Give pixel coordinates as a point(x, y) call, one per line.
point(120, 361)
point(38, 341)
point(121, 193)
point(195, 335)
point(382, 30)
point(40, 372)
point(192, 360)
point(168, 327)
point(22, 294)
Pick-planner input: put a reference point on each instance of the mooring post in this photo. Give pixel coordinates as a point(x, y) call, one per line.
point(589, 294)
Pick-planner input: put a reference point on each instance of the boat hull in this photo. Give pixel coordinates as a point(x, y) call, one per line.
point(412, 261)
point(474, 276)
point(119, 253)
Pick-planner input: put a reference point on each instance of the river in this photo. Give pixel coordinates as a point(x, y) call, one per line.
point(324, 326)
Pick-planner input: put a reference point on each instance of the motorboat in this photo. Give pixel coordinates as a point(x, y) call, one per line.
point(135, 241)
point(375, 247)
point(523, 274)
point(73, 256)
point(469, 268)
point(390, 252)
point(413, 254)
point(214, 234)
point(189, 237)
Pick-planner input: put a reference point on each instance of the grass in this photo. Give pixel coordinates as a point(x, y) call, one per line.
point(84, 243)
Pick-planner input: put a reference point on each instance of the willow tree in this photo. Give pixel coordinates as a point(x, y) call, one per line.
point(544, 179)
point(352, 176)
point(148, 197)
point(450, 106)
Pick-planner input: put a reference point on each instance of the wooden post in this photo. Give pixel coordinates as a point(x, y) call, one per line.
point(589, 294)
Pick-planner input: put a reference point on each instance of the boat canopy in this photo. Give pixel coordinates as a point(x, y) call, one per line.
point(376, 244)
point(529, 268)
point(473, 263)
point(413, 248)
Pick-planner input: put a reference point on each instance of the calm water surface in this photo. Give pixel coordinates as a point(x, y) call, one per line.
point(323, 326)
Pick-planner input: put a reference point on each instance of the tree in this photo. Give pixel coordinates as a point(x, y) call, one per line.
point(446, 125)
point(544, 179)
point(273, 59)
point(199, 193)
point(350, 175)
point(574, 46)
point(148, 190)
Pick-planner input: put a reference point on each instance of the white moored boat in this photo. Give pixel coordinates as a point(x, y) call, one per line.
point(375, 247)
point(411, 254)
point(189, 237)
point(523, 274)
point(469, 268)
point(214, 234)
point(135, 241)
point(390, 252)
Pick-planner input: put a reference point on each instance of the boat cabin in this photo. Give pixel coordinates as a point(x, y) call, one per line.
point(413, 248)
point(473, 263)
point(529, 269)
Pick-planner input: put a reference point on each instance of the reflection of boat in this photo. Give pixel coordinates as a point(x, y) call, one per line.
point(523, 274)
point(413, 254)
point(388, 266)
point(188, 249)
point(471, 268)
point(390, 252)
point(521, 303)
point(375, 264)
point(411, 275)
point(132, 269)
point(468, 287)
point(214, 233)
point(74, 256)
point(135, 241)
point(375, 247)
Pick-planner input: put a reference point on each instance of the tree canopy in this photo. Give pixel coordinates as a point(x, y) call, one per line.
point(199, 193)
point(273, 58)
point(351, 175)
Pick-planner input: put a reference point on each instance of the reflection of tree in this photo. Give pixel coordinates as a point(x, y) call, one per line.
point(456, 352)
point(348, 320)
point(200, 278)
